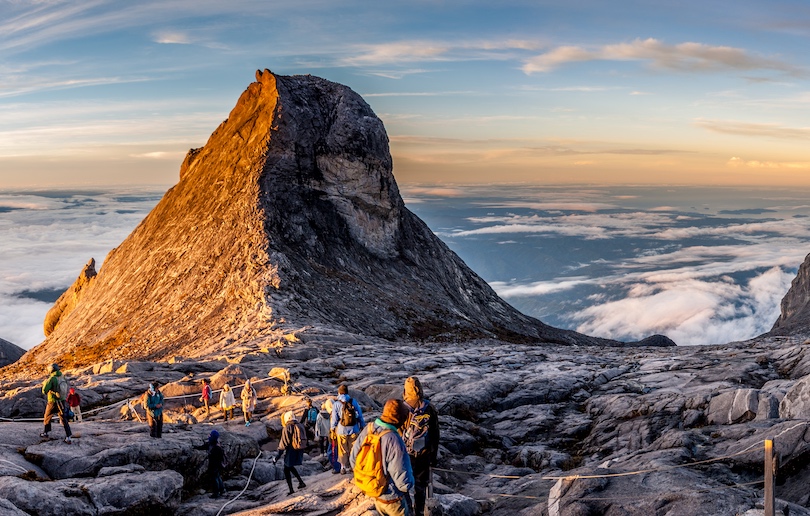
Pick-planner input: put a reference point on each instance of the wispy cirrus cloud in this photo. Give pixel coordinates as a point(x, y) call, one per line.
point(412, 51)
point(737, 162)
point(682, 57)
point(171, 37)
point(758, 130)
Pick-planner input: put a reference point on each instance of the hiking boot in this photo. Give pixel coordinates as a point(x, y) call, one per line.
point(43, 435)
point(247, 423)
point(291, 492)
point(301, 485)
point(68, 440)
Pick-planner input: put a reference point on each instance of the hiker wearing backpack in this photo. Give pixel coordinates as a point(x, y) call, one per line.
point(309, 418)
point(216, 463)
point(207, 395)
point(73, 401)
point(292, 444)
point(347, 420)
point(226, 401)
point(382, 469)
point(322, 427)
point(248, 401)
point(421, 436)
point(154, 411)
point(55, 387)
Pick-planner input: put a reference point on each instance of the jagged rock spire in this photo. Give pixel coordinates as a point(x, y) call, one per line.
point(289, 216)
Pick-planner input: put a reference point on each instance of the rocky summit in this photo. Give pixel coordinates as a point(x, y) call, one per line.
point(285, 255)
point(288, 217)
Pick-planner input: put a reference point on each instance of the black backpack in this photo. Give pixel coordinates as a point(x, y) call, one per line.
point(348, 417)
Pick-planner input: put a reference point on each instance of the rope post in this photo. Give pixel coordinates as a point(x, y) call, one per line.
point(770, 468)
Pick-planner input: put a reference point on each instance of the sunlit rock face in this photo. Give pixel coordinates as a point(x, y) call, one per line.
point(288, 217)
point(795, 316)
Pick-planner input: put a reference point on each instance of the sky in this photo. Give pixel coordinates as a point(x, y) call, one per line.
point(104, 92)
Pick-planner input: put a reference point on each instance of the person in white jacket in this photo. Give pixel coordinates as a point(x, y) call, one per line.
point(226, 401)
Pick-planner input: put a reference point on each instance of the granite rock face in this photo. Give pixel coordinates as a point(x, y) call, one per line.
point(70, 298)
point(288, 217)
point(795, 308)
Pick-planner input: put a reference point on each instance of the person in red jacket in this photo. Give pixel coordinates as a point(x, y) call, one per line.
point(74, 401)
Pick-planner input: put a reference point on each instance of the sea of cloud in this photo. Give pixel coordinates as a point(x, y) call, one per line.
point(47, 238)
point(701, 266)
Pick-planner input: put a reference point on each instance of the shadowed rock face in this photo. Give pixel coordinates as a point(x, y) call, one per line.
point(795, 316)
point(9, 353)
point(289, 216)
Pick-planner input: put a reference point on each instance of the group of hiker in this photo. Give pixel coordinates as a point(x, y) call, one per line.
point(388, 458)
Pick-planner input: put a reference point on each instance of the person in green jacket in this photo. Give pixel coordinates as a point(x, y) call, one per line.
point(56, 404)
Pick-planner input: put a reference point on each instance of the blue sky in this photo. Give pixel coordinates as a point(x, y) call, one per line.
point(102, 92)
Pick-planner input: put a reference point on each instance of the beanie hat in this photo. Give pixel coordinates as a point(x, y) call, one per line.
point(213, 436)
point(395, 412)
point(287, 417)
point(413, 393)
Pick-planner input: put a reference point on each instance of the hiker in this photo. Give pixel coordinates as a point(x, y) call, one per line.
point(386, 475)
point(207, 395)
point(421, 436)
point(55, 387)
point(73, 401)
point(309, 418)
point(322, 426)
point(293, 456)
point(226, 401)
point(216, 459)
point(346, 421)
point(154, 411)
point(248, 401)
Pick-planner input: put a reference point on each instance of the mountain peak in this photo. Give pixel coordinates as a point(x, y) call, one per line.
point(288, 217)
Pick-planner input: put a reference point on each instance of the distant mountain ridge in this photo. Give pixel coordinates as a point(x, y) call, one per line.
point(9, 353)
point(288, 217)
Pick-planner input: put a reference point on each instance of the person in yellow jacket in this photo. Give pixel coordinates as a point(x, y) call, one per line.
point(227, 401)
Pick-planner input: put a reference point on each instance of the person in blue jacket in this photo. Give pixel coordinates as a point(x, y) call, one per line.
point(346, 434)
point(395, 500)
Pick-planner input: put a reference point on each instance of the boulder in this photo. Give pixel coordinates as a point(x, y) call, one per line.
point(152, 492)
point(796, 403)
point(733, 407)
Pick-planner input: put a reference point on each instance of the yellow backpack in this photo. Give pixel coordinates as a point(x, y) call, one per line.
point(368, 470)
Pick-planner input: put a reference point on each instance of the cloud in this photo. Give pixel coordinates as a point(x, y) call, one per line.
point(737, 162)
point(754, 129)
point(691, 311)
point(48, 238)
point(425, 51)
point(170, 37)
point(539, 288)
point(684, 57)
point(159, 155)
